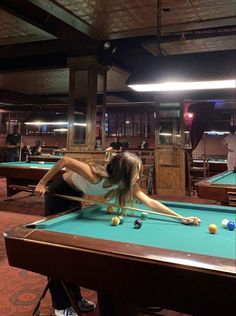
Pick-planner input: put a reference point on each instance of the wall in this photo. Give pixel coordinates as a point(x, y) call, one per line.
point(57, 140)
point(212, 145)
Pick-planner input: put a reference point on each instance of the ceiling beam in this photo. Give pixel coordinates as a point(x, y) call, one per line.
point(174, 36)
point(50, 17)
point(50, 61)
point(47, 47)
point(175, 28)
point(16, 98)
point(193, 26)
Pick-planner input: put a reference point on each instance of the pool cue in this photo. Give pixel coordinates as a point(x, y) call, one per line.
point(79, 199)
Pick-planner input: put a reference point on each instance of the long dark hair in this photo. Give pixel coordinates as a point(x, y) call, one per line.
point(121, 169)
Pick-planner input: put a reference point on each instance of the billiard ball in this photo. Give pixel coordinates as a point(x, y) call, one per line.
point(137, 223)
point(212, 228)
point(115, 221)
point(121, 218)
point(110, 209)
point(225, 222)
point(231, 225)
point(144, 215)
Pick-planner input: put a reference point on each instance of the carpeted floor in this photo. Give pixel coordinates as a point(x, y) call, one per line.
point(20, 289)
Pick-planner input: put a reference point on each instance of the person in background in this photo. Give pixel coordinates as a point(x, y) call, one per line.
point(37, 151)
point(115, 146)
point(25, 152)
point(14, 145)
point(116, 179)
point(144, 145)
point(230, 142)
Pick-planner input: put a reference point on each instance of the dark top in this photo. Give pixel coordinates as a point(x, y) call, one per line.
point(25, 152)
point(13, 139)
point(35, 151)
point(116, 145)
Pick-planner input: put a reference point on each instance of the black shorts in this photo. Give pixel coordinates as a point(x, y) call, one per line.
point(55, 204)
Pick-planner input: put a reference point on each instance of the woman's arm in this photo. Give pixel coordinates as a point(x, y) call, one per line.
point(77, 166)
point(157, 206)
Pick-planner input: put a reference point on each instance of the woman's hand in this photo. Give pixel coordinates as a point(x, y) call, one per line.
point(192, 220)
point(40, 189)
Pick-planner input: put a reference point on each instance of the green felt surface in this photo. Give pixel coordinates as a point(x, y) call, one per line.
point(25, 164)
point(156, 231)
point(228, 177)
point(217, 161)
point(220, 161)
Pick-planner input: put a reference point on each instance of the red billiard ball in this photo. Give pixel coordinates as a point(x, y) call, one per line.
point(137, 223)
point(212, 228)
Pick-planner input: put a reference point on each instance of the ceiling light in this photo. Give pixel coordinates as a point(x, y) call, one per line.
point(39, 123)
point(202, 71)
point(182, 86)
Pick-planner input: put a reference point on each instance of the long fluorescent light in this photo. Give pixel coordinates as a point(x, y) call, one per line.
point(183, 86)
point(40, 123)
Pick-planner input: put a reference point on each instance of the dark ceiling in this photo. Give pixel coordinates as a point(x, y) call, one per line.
point(38, 36)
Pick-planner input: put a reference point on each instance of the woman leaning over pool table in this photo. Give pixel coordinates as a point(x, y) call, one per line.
point(116, 179)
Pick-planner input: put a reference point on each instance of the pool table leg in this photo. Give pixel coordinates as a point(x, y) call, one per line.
point(110, 305)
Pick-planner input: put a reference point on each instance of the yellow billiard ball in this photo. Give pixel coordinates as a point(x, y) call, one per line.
point(115, 221)
point(110, 209)
point(212, 228)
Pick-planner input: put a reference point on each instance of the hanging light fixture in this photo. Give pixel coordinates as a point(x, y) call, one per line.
point(202, 71)
point(199, 71)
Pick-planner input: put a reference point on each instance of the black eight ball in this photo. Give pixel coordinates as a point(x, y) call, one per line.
point(137, 223)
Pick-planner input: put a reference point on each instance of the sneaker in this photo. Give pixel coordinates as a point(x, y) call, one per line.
point(65, 312)
point(85, 305)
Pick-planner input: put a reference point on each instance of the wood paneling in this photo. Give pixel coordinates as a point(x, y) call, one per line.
point(170, 170)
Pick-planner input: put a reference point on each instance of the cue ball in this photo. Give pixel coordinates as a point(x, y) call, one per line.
point(110, 209)
point(137, 223)
point(115, 221)
point(121, 218)
point(225, 222)
point(231, 225)
point(212, 228)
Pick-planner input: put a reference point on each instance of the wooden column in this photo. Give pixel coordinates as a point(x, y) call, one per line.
point(86, 77)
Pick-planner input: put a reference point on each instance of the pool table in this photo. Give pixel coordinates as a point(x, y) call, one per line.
point(217, 187)
point(164, 263)
point(20, 175)
point(45, 158)
point(215, 166)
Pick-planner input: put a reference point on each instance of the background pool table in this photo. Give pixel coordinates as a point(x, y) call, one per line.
point(164, 263)
point(20, 175)
point(215, 166)
point(217, 187)
point(45, 158)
